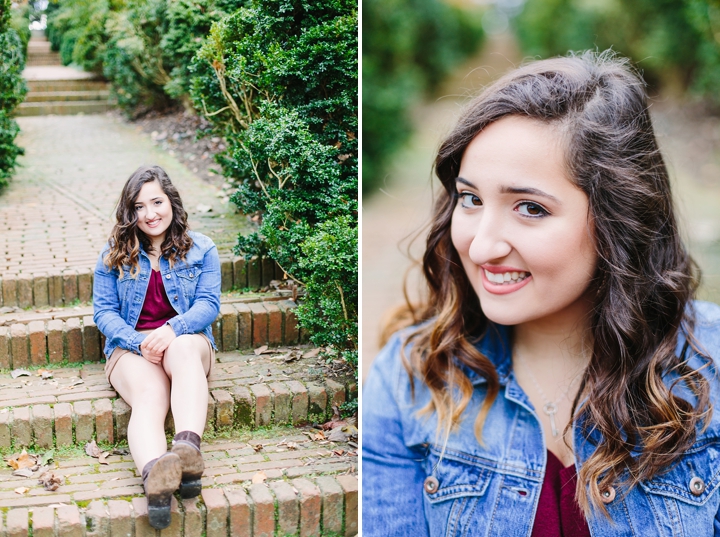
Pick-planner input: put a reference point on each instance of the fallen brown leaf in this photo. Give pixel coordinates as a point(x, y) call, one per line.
point(102, 459)
point(92, 449)
point(292, 445)
point(259, 477)
point(24, 460)
point(21, 490)
point(338, 452)
point(257, 447)
point(312, 353)
point(23, 472)
point(332, 424)
point(15, 373)
point(50, 481)
point(261, 350)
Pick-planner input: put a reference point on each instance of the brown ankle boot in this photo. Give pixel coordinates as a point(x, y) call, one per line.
point(161, 478)
point(186, 445)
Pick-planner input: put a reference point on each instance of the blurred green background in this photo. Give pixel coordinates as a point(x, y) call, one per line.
point(423, 59)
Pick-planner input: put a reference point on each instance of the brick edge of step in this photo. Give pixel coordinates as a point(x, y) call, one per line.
point(46, 422)
point(57, 287)
point(305, 506)
point(76, 338)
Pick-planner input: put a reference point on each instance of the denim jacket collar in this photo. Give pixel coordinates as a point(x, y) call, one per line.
point(495, 345)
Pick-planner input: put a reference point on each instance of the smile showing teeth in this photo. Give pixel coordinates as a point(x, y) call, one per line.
point(506, 277)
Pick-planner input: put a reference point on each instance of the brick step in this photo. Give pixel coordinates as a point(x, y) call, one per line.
point(66, 85)
point(247, 391)
point(57, 288)
point(35, 46)
point(62, 108)
point(86, 95)
point(70, 335)
point(43, 58)
point(309, 490)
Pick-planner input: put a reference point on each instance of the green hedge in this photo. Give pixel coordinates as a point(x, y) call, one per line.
point(279, 81)
point(674, 42)
point(12, 91)
point(408, 47)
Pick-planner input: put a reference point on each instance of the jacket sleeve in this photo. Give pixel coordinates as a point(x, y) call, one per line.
point(392, 473)
point(206, 304)
point(106, 306)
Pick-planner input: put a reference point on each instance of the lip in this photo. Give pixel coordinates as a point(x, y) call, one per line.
point(154, 223)
point(501, 289)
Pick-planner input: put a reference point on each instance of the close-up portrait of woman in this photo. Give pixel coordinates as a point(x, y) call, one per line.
point(559, 376)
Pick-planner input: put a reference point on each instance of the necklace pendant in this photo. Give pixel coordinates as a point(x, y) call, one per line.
point(550, 410)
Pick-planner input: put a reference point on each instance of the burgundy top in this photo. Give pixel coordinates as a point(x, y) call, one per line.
point(156, 310)
point(558, 513)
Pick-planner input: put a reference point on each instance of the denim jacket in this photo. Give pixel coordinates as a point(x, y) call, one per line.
point(493, 489)
point(192, 286)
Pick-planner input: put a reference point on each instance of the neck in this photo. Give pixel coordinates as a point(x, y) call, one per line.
point(563, 342)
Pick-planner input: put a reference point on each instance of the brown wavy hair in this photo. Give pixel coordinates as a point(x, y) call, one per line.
point(126, 238)
point(644, 281)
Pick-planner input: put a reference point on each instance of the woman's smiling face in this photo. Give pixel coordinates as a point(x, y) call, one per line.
point(521, 227)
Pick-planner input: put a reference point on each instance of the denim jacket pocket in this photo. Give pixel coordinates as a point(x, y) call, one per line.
point(692, 481)
point(455, 477)
point(188, 278)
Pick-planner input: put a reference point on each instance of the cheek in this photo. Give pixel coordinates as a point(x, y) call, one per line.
point(461, 238)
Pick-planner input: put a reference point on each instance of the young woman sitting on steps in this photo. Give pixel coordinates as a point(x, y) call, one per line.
point(156, 293)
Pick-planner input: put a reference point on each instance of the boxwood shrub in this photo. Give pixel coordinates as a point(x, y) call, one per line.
point(12, 91)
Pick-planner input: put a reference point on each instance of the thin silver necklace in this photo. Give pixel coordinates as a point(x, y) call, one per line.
point(550, 408)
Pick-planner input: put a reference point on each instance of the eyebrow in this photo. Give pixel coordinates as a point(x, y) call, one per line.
point(515, 190)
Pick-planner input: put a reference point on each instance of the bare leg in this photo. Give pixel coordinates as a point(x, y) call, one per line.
point(146, 388)
point(186, 362)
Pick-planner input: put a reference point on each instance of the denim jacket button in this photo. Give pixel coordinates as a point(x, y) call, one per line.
point(175, 298)
point(697, 486)
point(167, 276)
point(607, 495)
point(431, 484)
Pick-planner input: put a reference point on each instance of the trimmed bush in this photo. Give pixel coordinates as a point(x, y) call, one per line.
point(408, 47)
point(674, 42)
point(279, 81)
point(12, 92)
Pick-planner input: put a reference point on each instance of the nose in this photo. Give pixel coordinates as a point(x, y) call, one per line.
point(490, 241)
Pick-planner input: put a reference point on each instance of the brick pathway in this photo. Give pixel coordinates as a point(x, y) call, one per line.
point(310, 481)
point(310, 484)
point(58, 210)
point(270, 470)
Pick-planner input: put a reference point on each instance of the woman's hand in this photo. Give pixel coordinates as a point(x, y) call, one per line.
point(153, 358)
point(157, 341)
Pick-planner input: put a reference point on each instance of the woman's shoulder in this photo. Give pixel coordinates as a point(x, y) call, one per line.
point(706, 329)
point(201, 242)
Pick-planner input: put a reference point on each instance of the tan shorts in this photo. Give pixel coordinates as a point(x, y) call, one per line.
point(119, 353)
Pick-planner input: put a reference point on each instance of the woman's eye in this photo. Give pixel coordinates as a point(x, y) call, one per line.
point(158, 202)
point(138, 207)
point(530, 209)
point(469, 200)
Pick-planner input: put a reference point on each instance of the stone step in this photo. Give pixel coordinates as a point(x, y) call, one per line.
point(69, 335)
point(78, 405)
point(62, 108)
point(85, 95)
point(66, 85)
point(309, 488)
point(53, 287)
